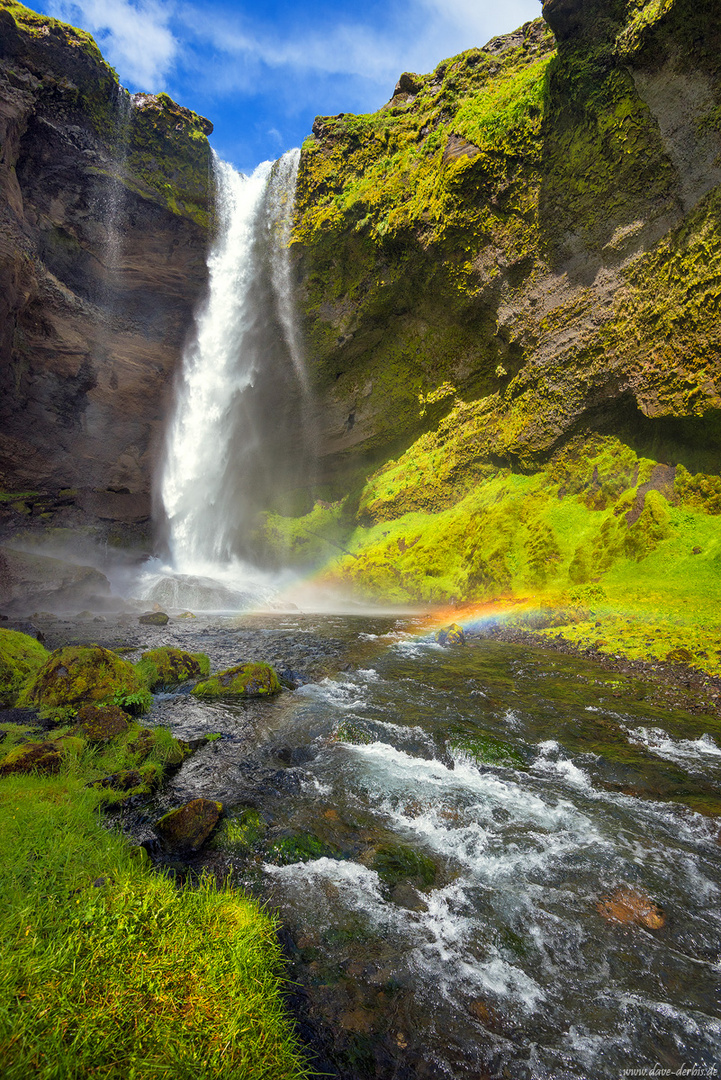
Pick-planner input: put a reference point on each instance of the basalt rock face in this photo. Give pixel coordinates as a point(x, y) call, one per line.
point(103, 231)
point(512, 270)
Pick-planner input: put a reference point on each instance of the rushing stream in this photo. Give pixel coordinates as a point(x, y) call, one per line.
point(441, 831)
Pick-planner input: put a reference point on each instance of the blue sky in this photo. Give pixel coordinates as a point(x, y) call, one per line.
point(262, 72)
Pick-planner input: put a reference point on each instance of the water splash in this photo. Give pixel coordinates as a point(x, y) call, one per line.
point(231, 441)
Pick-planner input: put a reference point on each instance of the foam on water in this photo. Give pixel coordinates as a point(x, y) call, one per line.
point(681, 751)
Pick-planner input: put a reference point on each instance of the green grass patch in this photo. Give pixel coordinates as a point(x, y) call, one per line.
point(108, 969)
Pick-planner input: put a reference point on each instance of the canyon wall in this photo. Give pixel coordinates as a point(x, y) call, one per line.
point(104, 204)
point(510, 278)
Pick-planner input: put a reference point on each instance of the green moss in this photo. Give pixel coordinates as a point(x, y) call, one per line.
point(487, 750)
point(240, 832)
point(21, 657)
point(170, 154)
point(303, 847)
point(169, 667)
point(397, 862)
point(79, 675)
point(244, 680)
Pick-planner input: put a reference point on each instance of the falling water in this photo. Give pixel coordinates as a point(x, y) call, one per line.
point(236, 434)
point(281, 190)
point(115, 198)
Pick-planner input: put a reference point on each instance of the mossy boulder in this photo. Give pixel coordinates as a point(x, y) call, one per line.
point(245, 680)
point(450, 635)
point(168, 667)
point(20, 657)
point(154, 618)
point(43, 757)
point(86, 674)
point(102, 723)
point(188, 827)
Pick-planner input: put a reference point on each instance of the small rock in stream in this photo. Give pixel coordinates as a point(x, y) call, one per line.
point(188, 827)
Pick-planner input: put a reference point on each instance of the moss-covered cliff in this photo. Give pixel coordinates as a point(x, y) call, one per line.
point(511, 282)
point(103, 235)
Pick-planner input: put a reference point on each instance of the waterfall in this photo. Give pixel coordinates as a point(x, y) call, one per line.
point(236, 436)
point(115, 200)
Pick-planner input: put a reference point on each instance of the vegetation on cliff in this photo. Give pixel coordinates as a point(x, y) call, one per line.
point(511, 282)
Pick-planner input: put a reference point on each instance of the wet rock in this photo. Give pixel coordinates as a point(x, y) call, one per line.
point(86, 674)
point(21, 656)
point(300, 847)
point(44, 757)
point(204, 594)
point(396, 863)
point(245, 680)
point(188, 827)
point(629, 906)
point(169, 667)
point(187, 615)
point(450, 635)
point(154, 618)
point(291, 679)
point(406, 896)
point(101, 723)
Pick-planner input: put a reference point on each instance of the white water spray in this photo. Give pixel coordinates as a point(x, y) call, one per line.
point(215, 452)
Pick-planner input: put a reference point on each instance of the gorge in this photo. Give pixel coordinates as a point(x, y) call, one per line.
point(452, 362)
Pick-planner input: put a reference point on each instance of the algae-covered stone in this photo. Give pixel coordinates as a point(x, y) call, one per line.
point(303, 847)
point(154, 618)
point(188, 827)
point(84, 674)
point(245, 680)
point(450, 635)
point(240, 833)
point(168, 667)
point(44, 757)
point(395, 863)
point(101, 723)
point(20, 657)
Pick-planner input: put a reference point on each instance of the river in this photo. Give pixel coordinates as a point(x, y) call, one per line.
point(488, 860)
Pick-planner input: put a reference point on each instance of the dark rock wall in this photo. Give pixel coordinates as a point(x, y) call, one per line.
point(103, 235)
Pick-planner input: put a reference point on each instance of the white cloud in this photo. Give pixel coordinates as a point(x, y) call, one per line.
point(415, 38)
point(134, 37)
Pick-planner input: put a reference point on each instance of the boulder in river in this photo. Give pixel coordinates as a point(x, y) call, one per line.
point(169, 667)
point(86, 674)
point(628, 906)
point(450, 635)
point(188, 827)
point(154, 618)
point(245, 680)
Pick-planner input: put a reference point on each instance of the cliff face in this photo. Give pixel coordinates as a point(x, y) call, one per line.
point(103, 234)
point(480, 236)
point(511, 285)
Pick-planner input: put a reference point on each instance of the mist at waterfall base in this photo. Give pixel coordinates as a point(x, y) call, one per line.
point(241, 438)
